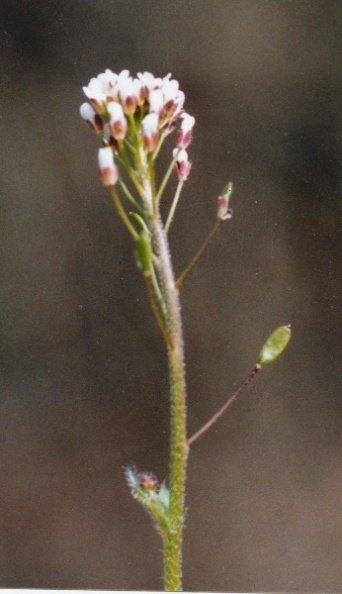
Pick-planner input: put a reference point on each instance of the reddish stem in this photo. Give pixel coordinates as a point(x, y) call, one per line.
point(223, 408)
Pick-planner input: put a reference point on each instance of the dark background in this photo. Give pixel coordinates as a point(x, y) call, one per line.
point(83, 367)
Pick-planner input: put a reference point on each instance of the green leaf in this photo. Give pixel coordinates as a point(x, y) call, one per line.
point(155, 500)
point(274, 345)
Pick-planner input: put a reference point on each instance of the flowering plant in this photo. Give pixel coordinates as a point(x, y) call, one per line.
point(132, 117)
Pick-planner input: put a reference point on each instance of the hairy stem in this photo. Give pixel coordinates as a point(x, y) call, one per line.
point(179, 447)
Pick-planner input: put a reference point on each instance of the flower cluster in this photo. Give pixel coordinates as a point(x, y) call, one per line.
point(136, 112)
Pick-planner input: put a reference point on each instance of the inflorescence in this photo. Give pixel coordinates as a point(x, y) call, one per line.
point(132, 117)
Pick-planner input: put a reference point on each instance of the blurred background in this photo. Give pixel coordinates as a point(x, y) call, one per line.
point(84, 386)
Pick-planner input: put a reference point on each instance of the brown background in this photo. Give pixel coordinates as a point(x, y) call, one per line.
point(83, 368)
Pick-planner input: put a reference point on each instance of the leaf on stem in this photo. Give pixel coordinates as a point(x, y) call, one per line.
point(144, 487)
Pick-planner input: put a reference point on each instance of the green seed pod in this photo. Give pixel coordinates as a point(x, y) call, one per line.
point(143, 252)
point(274, 345)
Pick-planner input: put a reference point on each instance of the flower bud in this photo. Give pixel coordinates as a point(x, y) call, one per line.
point(148, 481)
point(108, 171)
point(274, 345)
point(185, 132)
point(150, 131)
point(223, 210)
point(117, 120)
point(92, 118)
point(183, 165)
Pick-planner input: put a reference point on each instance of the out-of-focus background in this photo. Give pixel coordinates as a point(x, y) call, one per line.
point(84, 388)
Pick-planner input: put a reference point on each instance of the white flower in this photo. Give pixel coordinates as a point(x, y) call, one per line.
point(92, 118)
point(110, 78)
point(140, 91)
point(96, 91)
point(188, 122)
point(185, 131)
point(150, 131)
point(169, 88)
point(176, 106)
point(108, 171)
point(183, 164)
point(126, 92)
point(117, 120)
point(156, 101)
point(150, 81)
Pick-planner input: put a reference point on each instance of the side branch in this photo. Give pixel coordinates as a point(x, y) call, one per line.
point(199, 254)
point(223, 408)
point(122, 213)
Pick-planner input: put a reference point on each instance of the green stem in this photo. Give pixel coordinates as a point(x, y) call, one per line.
point(165, 180)
point(123, 159)
point(179, 447)
point(122, 213)
point(174, 205)
point(199, 254)
point(159, 145)
point(130, 197)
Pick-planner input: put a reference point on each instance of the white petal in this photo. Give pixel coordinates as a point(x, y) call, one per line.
point(115, 111)
point(106, 158)
point(187, 123)
point(87, 112)
point(156, 100)
point(150, 124)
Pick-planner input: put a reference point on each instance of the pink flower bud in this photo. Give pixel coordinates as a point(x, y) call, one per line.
point(126, 92)
point(117, 120)
point(108, 171)
point(185, 131)
point(150, 131)
point(92, 118)
point(183, 165)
